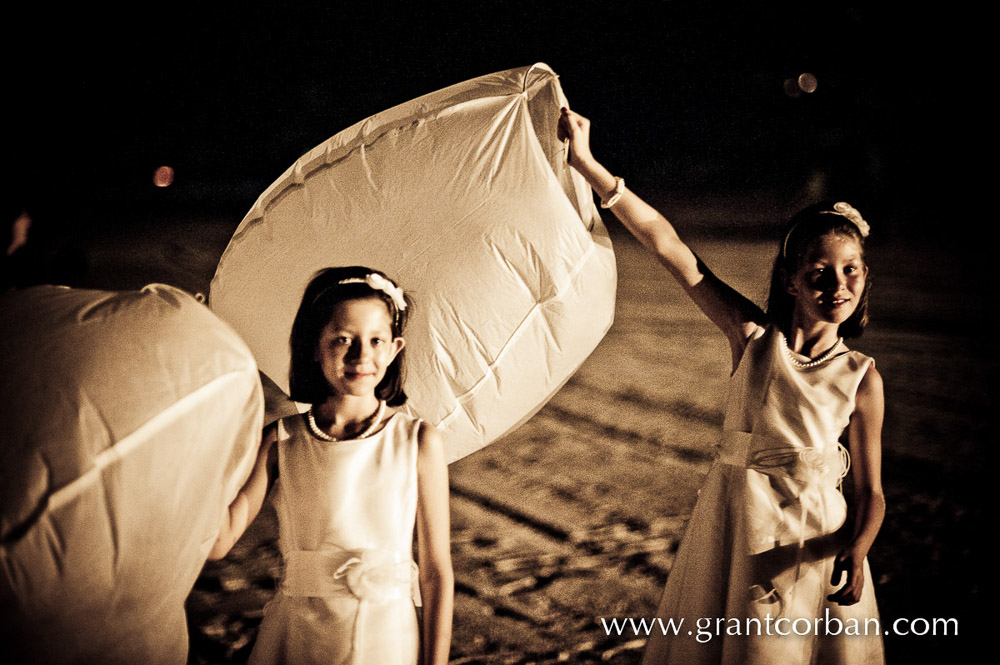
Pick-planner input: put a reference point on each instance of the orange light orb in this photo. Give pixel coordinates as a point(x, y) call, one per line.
point(807, 82)
point(163, 176)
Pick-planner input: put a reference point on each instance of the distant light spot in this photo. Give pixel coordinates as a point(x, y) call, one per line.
point(807, 82)
point(163, 176)
point(19, 232)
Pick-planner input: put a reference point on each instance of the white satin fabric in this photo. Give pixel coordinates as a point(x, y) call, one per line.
point(346, 515)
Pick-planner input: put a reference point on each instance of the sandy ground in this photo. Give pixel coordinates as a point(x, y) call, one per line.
point(577, 515)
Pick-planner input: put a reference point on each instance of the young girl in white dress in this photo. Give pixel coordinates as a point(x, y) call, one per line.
point(760, 574)
point(353, 479)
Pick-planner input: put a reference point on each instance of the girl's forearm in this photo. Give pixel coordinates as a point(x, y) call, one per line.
point(870, 513)
point(644, 222)
point(438, 596)
point(600, 179)
point(865, 436)
point(249, 499)
point(641, 218)
point(233, 526)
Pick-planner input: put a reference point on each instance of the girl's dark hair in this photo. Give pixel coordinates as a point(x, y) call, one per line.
point(806, 226)
point(306, 381)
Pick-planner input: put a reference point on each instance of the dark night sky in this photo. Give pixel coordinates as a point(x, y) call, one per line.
point(686, 97)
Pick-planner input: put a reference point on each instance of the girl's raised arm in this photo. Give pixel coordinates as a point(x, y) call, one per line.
point(250, 498)
point(865, 441)
point(437, 578)
point(734, 314)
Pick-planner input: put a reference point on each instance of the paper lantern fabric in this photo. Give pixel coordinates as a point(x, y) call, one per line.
point(131, 419)
point(464, 197)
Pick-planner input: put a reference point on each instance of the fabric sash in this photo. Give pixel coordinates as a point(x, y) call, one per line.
point(373, 575)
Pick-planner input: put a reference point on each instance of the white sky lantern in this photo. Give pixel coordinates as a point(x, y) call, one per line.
point(465, 198)
point(130, 421)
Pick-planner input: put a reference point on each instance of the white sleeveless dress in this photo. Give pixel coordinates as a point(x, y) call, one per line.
point(346, 514)
point(753, 572)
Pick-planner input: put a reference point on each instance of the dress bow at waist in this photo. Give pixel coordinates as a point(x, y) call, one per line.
point(771, 456)
point(372, 575)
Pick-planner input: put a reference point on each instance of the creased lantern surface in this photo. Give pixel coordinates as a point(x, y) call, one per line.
point(464, 197)
point(131, 419)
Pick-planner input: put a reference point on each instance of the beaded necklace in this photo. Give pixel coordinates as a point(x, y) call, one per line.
point(320, 434)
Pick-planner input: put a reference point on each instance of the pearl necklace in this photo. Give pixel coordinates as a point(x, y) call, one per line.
point(812, 363)
point(320, 434)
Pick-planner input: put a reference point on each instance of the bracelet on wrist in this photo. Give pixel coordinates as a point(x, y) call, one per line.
point(619, 190)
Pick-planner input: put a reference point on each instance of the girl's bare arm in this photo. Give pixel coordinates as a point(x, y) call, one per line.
point(250, 498)
point(735, 315)
point(865, 441)
point(437, 579)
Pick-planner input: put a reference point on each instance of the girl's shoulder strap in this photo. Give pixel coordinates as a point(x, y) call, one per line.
point(759, 330)
point(860, 362)
point(412, 425)
point(400, 425)
point(287, 427)
point(756, 333)
point(408, 427)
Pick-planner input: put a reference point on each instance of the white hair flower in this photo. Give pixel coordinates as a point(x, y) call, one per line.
point(380, 283)
point(851, 213)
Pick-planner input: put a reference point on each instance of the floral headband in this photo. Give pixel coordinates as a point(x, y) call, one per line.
point(380, 283)
point(843, 209)
point(376, 282)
